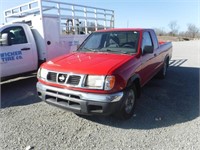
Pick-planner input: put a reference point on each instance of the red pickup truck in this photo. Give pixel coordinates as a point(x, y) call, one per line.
point(106, 73)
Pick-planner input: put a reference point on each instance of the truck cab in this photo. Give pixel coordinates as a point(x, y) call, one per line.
point(18, 50)
point(41, 30)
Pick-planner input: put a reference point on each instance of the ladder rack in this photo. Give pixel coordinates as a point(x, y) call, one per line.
point(71, 16)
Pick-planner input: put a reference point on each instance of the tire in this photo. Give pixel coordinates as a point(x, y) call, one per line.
point(128, 105)
point(162, 73)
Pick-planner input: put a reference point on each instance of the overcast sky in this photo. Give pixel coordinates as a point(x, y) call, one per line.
point(138, 13)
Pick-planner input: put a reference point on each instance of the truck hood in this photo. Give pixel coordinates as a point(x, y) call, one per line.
point(87, 63)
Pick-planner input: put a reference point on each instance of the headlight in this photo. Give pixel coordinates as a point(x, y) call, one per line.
point(42, 73)
point(94, 82)
point(109, 82)
point(100, 82)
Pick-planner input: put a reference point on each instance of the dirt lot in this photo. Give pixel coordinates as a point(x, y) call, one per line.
point(167, 116)
point(173, 38)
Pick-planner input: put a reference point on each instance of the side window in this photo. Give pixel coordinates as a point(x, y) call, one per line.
point(16, 35)
point(146, 40)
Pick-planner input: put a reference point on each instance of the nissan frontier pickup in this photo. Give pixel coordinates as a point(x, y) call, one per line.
point(106, 73)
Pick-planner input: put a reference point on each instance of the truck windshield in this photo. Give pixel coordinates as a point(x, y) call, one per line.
point(113, 42)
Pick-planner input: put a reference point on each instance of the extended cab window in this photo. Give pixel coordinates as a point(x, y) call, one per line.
point(146, 40)
point(155, 40)
point(16, 35)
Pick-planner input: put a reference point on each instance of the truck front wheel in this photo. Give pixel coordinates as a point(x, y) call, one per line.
point(129, 99)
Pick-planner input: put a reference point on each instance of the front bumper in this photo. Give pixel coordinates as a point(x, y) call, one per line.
point(80, 102)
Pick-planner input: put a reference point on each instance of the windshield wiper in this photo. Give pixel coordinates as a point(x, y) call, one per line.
point(114, 51)
point(89, 49)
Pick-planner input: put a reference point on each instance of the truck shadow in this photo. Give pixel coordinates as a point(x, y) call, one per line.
point(163, 102)
point(19, 91)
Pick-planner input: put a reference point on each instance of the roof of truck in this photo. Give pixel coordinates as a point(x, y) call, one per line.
point(123, 29)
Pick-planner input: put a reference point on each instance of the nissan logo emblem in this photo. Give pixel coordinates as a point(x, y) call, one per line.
point(61, 78)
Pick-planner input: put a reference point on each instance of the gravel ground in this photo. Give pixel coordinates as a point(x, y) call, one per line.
point(166, 117)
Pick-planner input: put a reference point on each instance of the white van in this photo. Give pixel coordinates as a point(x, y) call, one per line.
point(43, 29)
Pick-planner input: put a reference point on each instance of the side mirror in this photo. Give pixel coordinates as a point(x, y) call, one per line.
point(4, 39)
point(148, 50)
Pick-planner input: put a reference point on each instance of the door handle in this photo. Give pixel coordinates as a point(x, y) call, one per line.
point(25, 49)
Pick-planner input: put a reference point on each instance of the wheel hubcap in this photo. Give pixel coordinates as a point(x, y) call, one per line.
point(130, 101)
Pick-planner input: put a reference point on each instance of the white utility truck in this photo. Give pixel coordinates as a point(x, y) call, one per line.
point(44, 29)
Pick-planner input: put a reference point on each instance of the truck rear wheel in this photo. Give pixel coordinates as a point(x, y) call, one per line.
point(163, 71)
point(129, 99)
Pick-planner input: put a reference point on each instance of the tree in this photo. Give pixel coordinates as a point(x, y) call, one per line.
point(160, 31)
point(192, 30)
point(173, 27)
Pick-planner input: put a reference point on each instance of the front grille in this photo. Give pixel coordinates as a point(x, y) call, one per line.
point(51, 76)
point(63, 78)
point(73, 80)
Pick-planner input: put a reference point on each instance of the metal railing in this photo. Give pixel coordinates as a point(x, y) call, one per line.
point(72, 18)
